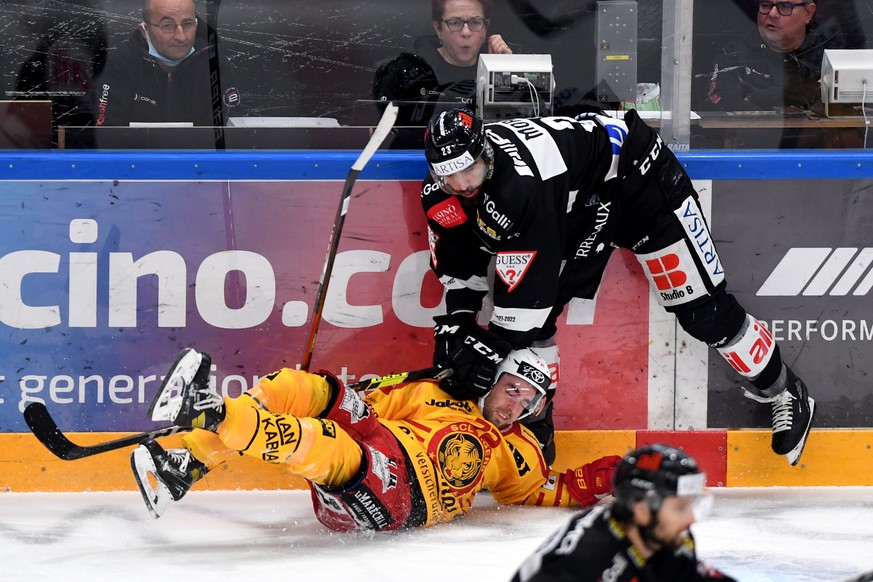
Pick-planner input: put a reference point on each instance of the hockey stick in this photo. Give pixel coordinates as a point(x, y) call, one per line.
point(435, 373)
point(865, 577)
point(46, 430)
point(379, 135)
point(212, 8)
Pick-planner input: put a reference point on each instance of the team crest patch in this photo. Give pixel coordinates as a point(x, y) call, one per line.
point(460, 458)
point(448, 213)
point(511, 267)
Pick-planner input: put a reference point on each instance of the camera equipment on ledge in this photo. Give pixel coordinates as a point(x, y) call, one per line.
point(510, 86)
point(846, 77)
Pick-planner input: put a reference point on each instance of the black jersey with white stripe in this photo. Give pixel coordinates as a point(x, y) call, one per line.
point(593, 547)
point(545, 202)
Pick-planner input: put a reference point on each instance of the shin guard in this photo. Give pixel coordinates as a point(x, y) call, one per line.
point(751, 350)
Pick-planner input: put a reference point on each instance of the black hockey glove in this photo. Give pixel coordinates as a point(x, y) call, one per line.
point(448, 333)
point(472, 353)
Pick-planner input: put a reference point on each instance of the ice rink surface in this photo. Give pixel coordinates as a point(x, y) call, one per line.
point(756, 535)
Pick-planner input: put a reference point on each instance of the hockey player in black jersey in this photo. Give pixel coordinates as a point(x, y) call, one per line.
point(642, 535)
point(548, 199)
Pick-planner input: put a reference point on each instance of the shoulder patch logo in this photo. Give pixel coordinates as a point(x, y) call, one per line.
point(512, 266)
point(448, 213)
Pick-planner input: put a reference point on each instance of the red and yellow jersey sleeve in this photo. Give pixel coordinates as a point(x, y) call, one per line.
point(518, 470)
point(552, 493)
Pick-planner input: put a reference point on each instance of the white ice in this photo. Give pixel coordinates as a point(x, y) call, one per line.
point(756, 535)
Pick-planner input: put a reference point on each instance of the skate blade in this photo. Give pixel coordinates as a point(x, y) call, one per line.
point(168, 401)
point(793, 455)
point(156, 498)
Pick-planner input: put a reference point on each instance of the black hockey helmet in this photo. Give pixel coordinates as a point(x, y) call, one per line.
point(653, 473)
point(406, 77)
point(454, 139)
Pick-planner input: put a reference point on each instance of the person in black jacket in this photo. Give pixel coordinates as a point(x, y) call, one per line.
point(779, 66)
point(776, 69)
point(642, 535)
point(162, 73)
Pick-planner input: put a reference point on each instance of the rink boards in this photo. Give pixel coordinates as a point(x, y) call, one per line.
point(740, 458)
point(109, 263)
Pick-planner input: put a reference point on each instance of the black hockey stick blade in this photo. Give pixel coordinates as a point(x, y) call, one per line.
point(865, 577)
point(44, 428)
point(435, 373)
point(389, 116)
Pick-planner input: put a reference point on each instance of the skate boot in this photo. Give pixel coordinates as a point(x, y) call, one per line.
point(185, 397)
point(164, 476)
point(793, 411)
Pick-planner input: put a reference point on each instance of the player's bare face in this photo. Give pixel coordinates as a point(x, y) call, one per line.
point(461, 47)
point(468, 182)
point(172, 26)
point(674, 518)
point(509, 399)
point(785, 33)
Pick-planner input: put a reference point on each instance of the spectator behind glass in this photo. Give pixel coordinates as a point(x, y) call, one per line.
point(777, 69)
point(161, 73)
point(461, 28)
point(786, 51)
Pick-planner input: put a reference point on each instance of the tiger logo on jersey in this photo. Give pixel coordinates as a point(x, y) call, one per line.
point(460, 458)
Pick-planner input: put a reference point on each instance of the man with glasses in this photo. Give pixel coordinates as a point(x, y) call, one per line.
point(782, 25)
point(398, 457)
point(461, 28)
point(778, 69)
point(162, 72)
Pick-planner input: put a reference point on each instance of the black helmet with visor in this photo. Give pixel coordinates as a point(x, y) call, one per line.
point(453, 141)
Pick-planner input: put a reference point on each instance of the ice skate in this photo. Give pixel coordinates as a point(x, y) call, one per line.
point(793, 412)
point(185, 397)
point(164, 476)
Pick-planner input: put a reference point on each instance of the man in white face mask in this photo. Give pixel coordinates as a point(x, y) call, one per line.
point(169, 27)
point(163, 73)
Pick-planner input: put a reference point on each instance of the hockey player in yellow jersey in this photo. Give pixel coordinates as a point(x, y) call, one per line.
point(399, 457)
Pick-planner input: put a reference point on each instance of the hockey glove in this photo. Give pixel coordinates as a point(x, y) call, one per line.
point(474, 355)
point(448, 333)
point(592, 481)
